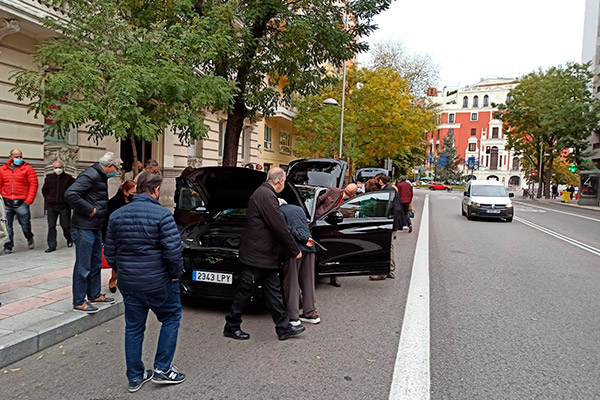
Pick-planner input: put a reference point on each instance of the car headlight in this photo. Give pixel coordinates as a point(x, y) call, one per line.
point(477, 204)
point(509, 205)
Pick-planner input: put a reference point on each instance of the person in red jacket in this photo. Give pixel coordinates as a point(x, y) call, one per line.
point(18, 187)
point(406, 195)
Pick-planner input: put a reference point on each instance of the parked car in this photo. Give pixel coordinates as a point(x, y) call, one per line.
point(488, 199)
point(439, 186)
point(364, 174)
point(212, 201)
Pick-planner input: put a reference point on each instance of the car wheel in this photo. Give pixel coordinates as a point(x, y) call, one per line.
point(431, 188)
point(448, 189)
point(462, 211)
point(469, 214)
point(509, 219)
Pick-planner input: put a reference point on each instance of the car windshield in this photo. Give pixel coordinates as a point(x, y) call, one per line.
point(325, 174)
point(488, 191)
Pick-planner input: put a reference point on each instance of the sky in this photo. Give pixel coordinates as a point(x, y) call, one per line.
point(473, 39)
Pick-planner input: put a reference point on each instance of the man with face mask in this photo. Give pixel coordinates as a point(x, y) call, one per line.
point(18, 186)
point(88, 197)
point(55, 186)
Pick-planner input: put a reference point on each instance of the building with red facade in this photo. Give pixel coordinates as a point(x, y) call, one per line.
point(467, 114)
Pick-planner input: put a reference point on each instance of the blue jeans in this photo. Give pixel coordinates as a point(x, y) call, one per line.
point(88, 264)
point(166, 305)
point(24, 218)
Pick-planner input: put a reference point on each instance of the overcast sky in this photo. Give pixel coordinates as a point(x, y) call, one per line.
point(473, 39)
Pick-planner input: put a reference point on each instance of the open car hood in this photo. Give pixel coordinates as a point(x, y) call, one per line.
point(323, 172)
point(223, 188)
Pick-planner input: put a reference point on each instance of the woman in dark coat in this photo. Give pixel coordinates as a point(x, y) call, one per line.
point(124, 196)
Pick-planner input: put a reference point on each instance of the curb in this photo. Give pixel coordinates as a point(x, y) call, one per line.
point(23, 343)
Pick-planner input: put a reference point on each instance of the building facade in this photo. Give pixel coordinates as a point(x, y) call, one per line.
point(21, 31)
point(467, 114)
point(591, 53)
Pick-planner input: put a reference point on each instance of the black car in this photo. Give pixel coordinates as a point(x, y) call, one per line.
point(364, 174)
point(211, 202)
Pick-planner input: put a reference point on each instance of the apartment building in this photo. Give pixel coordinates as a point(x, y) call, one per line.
point(591, 53)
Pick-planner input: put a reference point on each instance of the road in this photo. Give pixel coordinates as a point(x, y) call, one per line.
point(512, 314)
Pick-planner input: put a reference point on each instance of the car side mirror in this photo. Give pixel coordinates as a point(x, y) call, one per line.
point(334, 218)
point(466, 194)
point(511, 195)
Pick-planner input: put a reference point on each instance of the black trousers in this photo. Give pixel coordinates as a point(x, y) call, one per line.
point(252, 276)
point(65, 223)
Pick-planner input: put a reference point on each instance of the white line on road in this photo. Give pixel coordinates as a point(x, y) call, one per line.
point(411, 379)
point(567, 239)
point(561, 212)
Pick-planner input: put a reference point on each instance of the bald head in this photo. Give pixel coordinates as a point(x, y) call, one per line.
point(350, 190)
point(276, 178)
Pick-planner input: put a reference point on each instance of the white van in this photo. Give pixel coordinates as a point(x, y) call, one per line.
point(488, 199)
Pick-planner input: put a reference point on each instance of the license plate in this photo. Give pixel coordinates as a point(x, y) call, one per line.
point(212, 277)
point(492, 211)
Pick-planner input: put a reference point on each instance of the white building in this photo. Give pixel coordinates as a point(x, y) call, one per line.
point(591, 53)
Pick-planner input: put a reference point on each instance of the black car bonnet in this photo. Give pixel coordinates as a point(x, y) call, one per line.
point(323, 172)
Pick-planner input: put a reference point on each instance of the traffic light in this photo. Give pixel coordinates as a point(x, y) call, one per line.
point(488, 150)
point(534, 174)
point(573, 168)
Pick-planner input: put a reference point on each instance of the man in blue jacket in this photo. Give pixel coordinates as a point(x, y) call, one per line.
point(143, 246)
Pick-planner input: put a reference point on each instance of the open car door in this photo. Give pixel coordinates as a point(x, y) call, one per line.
point(357, 236)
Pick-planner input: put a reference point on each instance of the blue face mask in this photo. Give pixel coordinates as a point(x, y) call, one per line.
point(112, 174)
point(17, 161)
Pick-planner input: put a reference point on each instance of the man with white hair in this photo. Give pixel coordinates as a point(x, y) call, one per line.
point(88, 197)
point(55, 186)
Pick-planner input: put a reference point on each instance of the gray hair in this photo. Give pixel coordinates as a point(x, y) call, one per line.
point(275, 175)
point(110, 158)
point(151, 163)
point(60, 162)
point(402, 178)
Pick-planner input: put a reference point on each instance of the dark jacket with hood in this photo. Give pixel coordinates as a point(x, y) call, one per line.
point(266, 231)
point(89, 191)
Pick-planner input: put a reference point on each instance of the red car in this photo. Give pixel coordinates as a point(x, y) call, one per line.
point(439, 186)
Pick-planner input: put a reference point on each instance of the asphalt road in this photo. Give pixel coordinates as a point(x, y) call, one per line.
point(513, 316)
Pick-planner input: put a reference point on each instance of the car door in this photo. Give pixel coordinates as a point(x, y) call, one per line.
point(190, 206)
point(356, 236)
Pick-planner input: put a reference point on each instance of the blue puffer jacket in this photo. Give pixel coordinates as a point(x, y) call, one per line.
point(143, 245)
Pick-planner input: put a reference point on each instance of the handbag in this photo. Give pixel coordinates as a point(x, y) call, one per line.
point(411, 214)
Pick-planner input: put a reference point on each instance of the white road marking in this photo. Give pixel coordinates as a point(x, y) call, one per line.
point(411, 378)
point(533, 210)
point(557, 235)
point(561, 212)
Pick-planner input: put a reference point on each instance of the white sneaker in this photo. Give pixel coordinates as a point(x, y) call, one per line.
point(295, 322)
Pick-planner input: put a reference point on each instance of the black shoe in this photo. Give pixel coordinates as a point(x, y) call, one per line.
point(49, 250)
point(137, 385)
point(31, 244)
point(291, 331)
point(333, 281)
point(5, 251)
point(69, 244)
point(170, 377)
point(238, 334)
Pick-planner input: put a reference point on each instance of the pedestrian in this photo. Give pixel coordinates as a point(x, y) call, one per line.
point(123, 196)
point(571, 190)
point(371, 186)
point(143, 246)
point(55, 186)
point(134, 171)
point(264, 236)
point(151, 166)
point(299, 274)
point(360, 188)
point(398, 221)
point(18, 187)
point(329, 200)
point(259, 167)
point(249, 166)
point(405, 191)
point(554, 191)
point(88, 197)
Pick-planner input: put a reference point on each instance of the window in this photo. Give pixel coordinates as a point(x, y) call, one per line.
point(465, 102)
point(222, 126)
point(268, 166)
point(268, 138)
point(475, 101)
point(515, 164)
point(495, 133)
point(473, 116)
point(486, 101)
point(437, 147)
point(370, 205)
point(450, 132)
point(472, 146)
point(285, 142)
point(508, 98)
point(186, 197)
point(450, 118)
point(245, 142)
point(473, 131)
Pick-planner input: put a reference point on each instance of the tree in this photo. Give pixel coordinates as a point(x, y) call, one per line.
point(551, 113)
point(417, 69)
point(125, 68)
point(279, 48)
point(447, 170)
point(381, 121)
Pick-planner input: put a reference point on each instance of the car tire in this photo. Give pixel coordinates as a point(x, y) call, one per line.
point(448, 190)
point(469, 214)
point(462, 211)
point(509, 219)
point(431, 188)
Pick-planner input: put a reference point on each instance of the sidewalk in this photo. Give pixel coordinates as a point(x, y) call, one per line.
point(36, 297)
point(558, 201)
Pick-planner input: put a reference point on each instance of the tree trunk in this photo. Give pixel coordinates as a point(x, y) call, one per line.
point(548, 178)
point(540, 182)
point(235, 124)
point(135, 156)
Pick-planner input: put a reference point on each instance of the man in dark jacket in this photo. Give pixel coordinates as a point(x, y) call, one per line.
point(18, 187)
point(265, 233)
point(88, 197)
point(299, 274)
point(398, 223)
point(55, 186)
point(143, 246)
